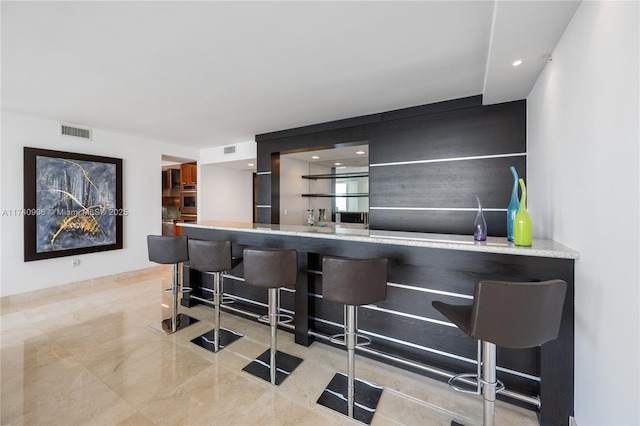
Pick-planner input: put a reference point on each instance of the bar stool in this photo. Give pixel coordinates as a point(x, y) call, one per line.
point(213, 257)
point(352, 282)
point(514, 315)
point(171, 250)
point(272, 269)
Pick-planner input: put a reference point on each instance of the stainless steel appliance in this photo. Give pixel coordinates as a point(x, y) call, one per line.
point(188, 203)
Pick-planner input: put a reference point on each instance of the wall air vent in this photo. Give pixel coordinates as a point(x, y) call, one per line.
point(74, 131)
point(230, 149)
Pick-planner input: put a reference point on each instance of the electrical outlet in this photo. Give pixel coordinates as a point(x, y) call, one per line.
point(75, 262)
point(286, 211)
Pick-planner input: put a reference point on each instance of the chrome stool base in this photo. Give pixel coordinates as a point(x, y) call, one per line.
point(487, 384)
point(226, 337)
point(341, 339)
point(285, 364)
point(366, 398)
point(183, 321)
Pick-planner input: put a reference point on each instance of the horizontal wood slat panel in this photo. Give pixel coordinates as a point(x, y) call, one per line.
point(435, 108)
point(466, 264)
point(440, 222)
point(338, 125)
point(485, 130)
point(450, 184)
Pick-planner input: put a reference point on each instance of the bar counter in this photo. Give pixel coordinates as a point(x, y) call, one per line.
point(405, 329)
point(539, 248)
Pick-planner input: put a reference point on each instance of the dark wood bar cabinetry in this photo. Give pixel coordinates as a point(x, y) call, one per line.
point(405, 327)
point(425, 163)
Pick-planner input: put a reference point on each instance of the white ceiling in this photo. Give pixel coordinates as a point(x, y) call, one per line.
point(213, 73)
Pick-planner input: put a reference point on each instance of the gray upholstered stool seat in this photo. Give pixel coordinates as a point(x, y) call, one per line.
point(507, 314)
point(352, 283)
point(272, 269)
point(171, 250)
point(213, 257)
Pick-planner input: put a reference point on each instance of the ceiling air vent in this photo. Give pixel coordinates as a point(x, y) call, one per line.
point(230, 149)
point(77, 132)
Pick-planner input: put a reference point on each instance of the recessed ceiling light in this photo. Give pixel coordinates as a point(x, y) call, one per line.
point(250, 164)
point(338, 164)
point(360, 152)
point(314, 157)
point(517, 62)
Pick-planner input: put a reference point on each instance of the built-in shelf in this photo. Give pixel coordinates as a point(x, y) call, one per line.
point(337, 175)
point(336, 195)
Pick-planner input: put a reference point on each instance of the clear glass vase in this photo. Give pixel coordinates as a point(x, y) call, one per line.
point(310, 220)
point(480, 225)
point(322, 217)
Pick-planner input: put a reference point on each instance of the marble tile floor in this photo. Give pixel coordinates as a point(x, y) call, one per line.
point(87, 355)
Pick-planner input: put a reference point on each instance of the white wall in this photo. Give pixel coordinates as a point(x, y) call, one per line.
point(584, 192)
point(291, 187)
point(225, 194)
point(318, 186)
point(244, 151)
point(141, 196)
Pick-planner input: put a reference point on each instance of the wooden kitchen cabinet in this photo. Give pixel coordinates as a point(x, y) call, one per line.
point(188, 174)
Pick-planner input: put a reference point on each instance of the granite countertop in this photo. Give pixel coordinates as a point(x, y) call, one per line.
point(500, 245)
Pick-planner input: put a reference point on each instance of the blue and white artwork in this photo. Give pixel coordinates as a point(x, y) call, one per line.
point(75, 204)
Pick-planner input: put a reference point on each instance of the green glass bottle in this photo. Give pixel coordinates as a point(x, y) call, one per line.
point(522, 223)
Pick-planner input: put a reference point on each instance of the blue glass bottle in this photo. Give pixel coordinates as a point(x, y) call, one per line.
point(480, 225)
point(514, 205)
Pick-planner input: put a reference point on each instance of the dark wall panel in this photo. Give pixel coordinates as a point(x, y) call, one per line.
point(439, 222)
point(264, 215)
point(454, 271)
point(451, 105)
point(451, 129)
point(449, 184)
point(264, 189)
point(319, 140)
point(485, 130)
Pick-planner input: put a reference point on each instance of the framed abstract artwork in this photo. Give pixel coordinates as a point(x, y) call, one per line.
point(72, 204)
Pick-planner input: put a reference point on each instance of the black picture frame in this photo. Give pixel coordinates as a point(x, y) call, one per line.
point(72, 204)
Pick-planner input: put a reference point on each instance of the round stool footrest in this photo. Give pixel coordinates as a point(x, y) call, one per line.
point(339, 339)
point(202, 299)
point(452, 380)
point(499, 385)
point(284, 319)
point(226, 300)
point(184, 290)
point(280, 318)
